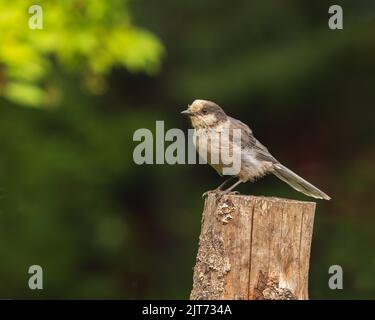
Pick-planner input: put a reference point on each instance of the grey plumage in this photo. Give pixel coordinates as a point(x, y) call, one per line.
point(256, 161)
point(298, 183)
point(279, 170)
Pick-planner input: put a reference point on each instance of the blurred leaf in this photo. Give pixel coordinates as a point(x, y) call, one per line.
point(24, 94)
point(86, 37)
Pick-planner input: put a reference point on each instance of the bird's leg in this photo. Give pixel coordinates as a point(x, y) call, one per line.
point(231, 187)
point(225, 182)
point(219, 188)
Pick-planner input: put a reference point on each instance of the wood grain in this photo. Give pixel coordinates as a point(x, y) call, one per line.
point(253, 248)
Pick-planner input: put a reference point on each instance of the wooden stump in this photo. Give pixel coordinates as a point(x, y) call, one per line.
point(253, 248)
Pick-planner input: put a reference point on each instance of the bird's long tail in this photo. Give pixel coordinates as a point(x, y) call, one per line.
point(298, 183)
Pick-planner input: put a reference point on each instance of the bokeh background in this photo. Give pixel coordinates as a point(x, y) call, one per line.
point(71, 96)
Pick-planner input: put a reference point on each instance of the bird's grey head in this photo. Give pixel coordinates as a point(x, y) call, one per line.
point(205, 114)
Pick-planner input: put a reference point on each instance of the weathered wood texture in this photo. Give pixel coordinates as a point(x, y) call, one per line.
point(253, 248)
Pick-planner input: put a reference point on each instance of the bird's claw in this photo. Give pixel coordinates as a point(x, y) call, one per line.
point(204, 195)
point(234, 192)
point(219, 193)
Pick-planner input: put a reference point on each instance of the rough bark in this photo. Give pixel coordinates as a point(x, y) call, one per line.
point(253, 248)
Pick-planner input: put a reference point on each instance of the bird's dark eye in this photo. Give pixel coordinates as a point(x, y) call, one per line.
point(204, 111)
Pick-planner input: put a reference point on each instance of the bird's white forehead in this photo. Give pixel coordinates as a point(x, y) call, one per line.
point(197, 104)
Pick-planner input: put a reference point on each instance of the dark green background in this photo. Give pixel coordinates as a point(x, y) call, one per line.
point(73, 201)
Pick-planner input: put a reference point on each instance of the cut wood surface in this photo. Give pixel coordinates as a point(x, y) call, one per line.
point(253, 248)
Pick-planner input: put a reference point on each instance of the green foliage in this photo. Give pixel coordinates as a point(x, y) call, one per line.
point(88, 38)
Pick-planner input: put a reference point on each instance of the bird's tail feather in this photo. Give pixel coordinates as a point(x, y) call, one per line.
point(298, 183)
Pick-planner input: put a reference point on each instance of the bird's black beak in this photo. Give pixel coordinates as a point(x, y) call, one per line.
point(187, 112)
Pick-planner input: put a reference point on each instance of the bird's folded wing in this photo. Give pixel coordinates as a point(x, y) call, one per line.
point(248, 141)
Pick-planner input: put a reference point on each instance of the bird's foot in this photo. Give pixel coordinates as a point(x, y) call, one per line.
point(233, 192)
point(204, 195)
point(219, 193)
